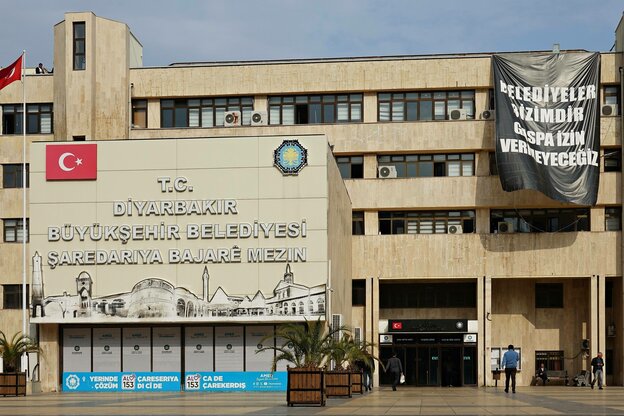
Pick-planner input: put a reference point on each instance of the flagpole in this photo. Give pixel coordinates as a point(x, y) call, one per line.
point(24, 235)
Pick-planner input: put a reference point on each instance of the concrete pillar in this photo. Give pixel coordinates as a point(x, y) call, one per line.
point(49, 359)
point(370, 166)
point(480, 335)
point(374, 316)
point(593, 315)
point(482, 220)
point(602, 329)
point(370, 107)
point(487, 331)
point(261, 103)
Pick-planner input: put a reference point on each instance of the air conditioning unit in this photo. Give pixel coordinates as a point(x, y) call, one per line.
point(455, 229)
point(387, 171)
point(505, 227)
point(488, 115)
point(609, 110)
point(458, 114)
point(259, 118)
point(336, 323)
point(232, 118)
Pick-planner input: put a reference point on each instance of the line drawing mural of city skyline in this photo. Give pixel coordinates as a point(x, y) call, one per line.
point(157, 298)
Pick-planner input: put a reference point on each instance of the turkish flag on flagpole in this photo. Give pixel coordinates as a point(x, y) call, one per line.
point(71, 162)
point(11, 73)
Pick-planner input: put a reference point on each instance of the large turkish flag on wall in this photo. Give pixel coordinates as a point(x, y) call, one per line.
point(71, 162)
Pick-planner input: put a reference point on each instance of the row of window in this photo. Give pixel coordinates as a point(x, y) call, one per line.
point(283, 110)
point(442, 222)
point(456, 295)
point(501, 221)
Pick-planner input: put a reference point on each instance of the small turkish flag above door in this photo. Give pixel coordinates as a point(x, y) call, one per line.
point(71, 162)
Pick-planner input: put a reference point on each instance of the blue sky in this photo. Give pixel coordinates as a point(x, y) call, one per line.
point(219, 30)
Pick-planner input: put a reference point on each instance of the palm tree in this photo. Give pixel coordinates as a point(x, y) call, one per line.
point(347, 353)
point(11, 351)
point(305, 345)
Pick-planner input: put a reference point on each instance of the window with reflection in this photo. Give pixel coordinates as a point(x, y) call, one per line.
point(541, 220)
point(38, 118)
point(351, 167)
point(426, 222)
point(424, 105)
point(413, 166)
point(203, 112)
point(315, 109)
point(613, 218)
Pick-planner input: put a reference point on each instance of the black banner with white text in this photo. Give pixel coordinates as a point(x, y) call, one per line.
point(547, 136)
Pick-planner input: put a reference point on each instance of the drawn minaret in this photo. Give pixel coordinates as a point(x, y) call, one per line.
point(206, 281)
point(288, 276)
point(37, 286)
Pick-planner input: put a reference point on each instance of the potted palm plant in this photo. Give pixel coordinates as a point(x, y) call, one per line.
point(349, 358)
point(307, 347)
point(13, 380)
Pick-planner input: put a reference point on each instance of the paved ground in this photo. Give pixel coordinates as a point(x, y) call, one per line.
point(549, 400)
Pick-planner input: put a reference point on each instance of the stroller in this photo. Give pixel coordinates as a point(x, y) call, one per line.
point(583, 378)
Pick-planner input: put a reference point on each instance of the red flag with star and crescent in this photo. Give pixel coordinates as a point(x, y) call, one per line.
point(11, 73)
point(71, 162)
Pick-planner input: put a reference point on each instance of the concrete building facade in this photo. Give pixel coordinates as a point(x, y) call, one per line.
point(447, 268)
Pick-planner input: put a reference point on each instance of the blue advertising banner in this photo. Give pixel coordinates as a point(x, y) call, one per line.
point(109, 382)
point(236, 381)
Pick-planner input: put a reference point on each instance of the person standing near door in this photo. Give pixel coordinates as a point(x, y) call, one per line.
point(597, 364)
point(510, 364)
point(395, 368)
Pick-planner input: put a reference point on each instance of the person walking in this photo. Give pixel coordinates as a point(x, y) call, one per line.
point(396, 369)
point(597, 364)
point(510, 364)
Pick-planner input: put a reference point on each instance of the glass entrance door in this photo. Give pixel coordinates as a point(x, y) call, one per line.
point(451, 363)
point(428, 366)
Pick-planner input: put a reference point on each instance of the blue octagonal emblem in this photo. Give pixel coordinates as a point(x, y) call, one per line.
point(290, 157)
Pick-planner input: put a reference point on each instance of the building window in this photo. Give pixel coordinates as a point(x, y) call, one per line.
point(612, 96)
point(12, 296)
point(413, 106)
point(427, 295)
point(38, 118)
point(414, 166)
point(357, 223)
point(540, 220)
point(493, 166)
point(203, 112)
point(613, 218)
point(549, 295)
point(612, 160)
point(12, 175)
point(320, 305)
point(609, 294)
point(13, 231)
point(139, 114)
point(497, 356)
point(425, 222)
point(315, 109)
point(351, 167)
point(358, 292)
point(552, 360)
point(80, 38)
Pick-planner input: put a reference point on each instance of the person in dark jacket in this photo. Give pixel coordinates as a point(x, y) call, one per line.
point(541, 373)
point(597, 364)
point(396, 369)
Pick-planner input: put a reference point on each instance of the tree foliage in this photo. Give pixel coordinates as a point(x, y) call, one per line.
point(12, 350)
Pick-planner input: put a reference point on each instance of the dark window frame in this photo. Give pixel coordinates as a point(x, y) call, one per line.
point(401, 106)
point(427, 295)
point(542, 220)
point(209, 111)
point(358, 226)
point(549, 295)
point(351, 167)
point(420, 222)
point(12, 296)
point(14, 226)
point(79, 46)
point(316, 108)
point(12, 174)
point(553, 360)
point(358, 292)
point(612, 160)
point(428, 165)
point(611, 95)
point(13, 118)
point(613, 215)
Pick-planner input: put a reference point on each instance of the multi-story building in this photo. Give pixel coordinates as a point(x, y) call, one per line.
point(447, 269)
